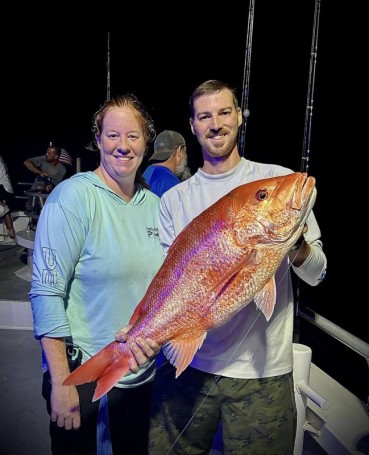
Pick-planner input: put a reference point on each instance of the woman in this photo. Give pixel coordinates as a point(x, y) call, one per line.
point(96, 251)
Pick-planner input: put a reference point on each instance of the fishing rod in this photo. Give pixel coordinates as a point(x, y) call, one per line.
point(246, 78)
point(310, 92)
point(108, 68)
point(307, 137)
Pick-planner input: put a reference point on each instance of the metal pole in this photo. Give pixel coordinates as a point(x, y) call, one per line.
point(246, 79)
point(307, 136)
point(108, 68)
point(310, 92)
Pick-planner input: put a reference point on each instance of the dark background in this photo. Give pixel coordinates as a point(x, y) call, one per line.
point(55, 77)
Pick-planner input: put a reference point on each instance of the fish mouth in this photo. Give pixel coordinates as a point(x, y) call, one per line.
point(299, 200)
point(302, 201)
point(304, 196)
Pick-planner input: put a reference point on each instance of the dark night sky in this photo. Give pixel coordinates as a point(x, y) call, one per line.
point(55, 78)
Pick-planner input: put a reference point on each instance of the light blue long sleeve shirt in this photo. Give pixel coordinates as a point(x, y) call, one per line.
point(94, 257)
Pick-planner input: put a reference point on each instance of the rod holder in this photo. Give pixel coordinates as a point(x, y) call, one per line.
point(303, 387)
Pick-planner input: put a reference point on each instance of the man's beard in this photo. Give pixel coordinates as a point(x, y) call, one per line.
point(183, 172)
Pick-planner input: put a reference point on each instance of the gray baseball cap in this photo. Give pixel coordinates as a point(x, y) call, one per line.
point(165, 144)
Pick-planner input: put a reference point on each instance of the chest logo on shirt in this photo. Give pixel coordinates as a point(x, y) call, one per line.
point(152, 232)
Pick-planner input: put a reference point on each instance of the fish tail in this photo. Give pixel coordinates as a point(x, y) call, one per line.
point(106, 367)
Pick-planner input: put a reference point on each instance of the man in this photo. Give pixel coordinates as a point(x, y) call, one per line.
point(242, 375)
point(48, 167)
point(168, 162)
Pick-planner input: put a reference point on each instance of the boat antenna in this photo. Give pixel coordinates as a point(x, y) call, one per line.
point(307, 136)
point(246, 78)
point(108, 68)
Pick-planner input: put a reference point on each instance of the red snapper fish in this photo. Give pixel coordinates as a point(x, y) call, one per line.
point(224, 259)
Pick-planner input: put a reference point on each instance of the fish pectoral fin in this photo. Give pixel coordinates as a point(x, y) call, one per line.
point(265, 299)
point(181, 352)
point(250, 260)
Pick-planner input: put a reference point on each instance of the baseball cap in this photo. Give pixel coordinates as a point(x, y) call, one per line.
point(165, 144)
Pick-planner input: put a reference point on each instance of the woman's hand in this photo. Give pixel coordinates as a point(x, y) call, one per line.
point(142, 349)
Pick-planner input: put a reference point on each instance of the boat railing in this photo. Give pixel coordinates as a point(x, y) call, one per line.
point(340, 334)
point(348, 339)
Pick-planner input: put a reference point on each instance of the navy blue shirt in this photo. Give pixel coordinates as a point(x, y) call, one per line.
point(160, 179)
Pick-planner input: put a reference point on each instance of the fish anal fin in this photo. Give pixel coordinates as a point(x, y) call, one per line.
point(265, 299)
point(181, 352)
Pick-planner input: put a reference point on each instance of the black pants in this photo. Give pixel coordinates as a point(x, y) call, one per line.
point(128, 416)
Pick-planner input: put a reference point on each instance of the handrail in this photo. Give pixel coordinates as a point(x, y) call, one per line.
point(17, 196)
point(347, 338)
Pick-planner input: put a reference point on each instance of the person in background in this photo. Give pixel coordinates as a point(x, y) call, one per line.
point(96, 251)
point(6, 195)
point(48, 168)
point(168, 162)
point(242, 375)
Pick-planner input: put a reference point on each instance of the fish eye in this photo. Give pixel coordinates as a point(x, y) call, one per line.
point(261, 195)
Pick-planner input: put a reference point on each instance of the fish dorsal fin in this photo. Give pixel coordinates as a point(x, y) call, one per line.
point(181, 352)
point(265, 299)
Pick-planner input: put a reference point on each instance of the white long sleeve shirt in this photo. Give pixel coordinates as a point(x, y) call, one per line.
point(247, 346)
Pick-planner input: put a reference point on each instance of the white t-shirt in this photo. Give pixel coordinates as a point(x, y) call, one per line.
point(4, 177)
